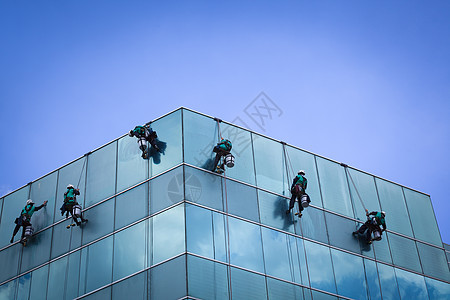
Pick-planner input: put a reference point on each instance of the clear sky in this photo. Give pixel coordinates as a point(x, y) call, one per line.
point(362, 82)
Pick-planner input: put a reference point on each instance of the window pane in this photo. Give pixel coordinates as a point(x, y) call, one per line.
point(166, 190)
point(100, 295)
point(131, 168)
point(12, 207)
point(333, 183)
point(168, 280)
point(64, 239)
point(38, 284)
point(437, 290)
point(312, 225)
point(203, 188)
point(101, 221)
point(372, 279)
point(44, 190)
point(129, 250)
point(101, 174)
point(322, 296)
point(242, 200)
point(393, 203)
point(404, 252)
point(340, 233)
point(382, 250)
point(131, 206)
point(97, 260)
point(246, 285)
point(73, 276)
point(9, 258)
point(37, 250)
point(132, 288)
point(220, 239)
point(434, 262)
point(320, 267)
point(349, 269)
point(167, 229)
point(57, 277)
point(245, 245)
point(302, 160)
point(8, 290)
point(422, 217)
point(282, 290)
point(199, 231)
point(23, 290)
point(411, 286)
point(207, 279)
point(169, 137)
point(270, 165)
point(272, 210)
point(388, 282)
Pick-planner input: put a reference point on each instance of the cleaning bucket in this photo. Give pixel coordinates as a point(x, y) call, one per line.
point(229, 160)
point(376, 235)
point(304, 200)
point(76, 210)
point(29, 231)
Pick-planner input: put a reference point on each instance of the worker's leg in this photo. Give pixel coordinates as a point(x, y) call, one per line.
point(216, 161)
point(291, 203)
point(16, 229)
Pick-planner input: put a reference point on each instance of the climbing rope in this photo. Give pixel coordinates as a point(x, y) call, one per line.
point(81, 173)
point(354, 185)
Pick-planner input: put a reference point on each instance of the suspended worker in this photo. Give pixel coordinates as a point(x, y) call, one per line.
point(222, 149)
point(144, 135)
point(298, 190)
point(71, 206)
point(25, 220)
point(372, 225)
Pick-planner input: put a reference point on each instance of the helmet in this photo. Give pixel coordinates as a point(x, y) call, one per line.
point(301, 172)
point(29, 201)
point(383, 213)
point(70, 186)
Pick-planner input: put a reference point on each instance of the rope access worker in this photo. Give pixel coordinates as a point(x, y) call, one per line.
point(71, 206)
point(24, 220)
point(144, 135)
point(222, 149)
point(373, 225)
point(298, 189)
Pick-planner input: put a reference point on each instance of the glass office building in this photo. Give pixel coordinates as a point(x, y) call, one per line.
point(169, 228)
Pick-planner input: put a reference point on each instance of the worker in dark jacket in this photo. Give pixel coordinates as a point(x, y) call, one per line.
point(298, 189)
point(144, 135)
point(71, 205)
point(222, 149)
point(372, 224)
point(25, 219)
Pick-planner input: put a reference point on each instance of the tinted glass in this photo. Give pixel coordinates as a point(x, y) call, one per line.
point(57, 278)
point(373, 282)
point(220, 238)
point(132, 288)
point(245, 245)
point(404, 252)
point(73, 276)
point(333, 183)
point(168, 280)
point(382, 249)
point(340, 233)
point(166, 190)
point(434, 262)
point(388, 282)
point(206, 279)
point(272, 211)
point(437, 289)
point(7, 290)
point(411, 286)
point(101, 221)
point(23, 289)
point(44, 190)
point(199, 231)
point(131, 167)
point(320, 267)
point(96, 261)
point(37, 250)
point(12, 207)
point(10, 261)
point(246, 285)
point(100, 295)
point(64, 239)
point(242, 200)
point(101, 174)
point(131, 206)
point(277, 289)
point(312, 225)
point(203, 188)
point(38, 283)
point(393, 203)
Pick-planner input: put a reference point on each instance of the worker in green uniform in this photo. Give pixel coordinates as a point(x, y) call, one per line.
point(25, 219)
point(373, 224)
point(71, 205)
point(145, 135)
point(298, 189)
point(222, 149)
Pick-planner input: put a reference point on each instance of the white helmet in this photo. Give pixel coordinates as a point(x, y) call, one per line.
point(29, 201)
point(383, 213)
point(70, 186)
point(301, 172)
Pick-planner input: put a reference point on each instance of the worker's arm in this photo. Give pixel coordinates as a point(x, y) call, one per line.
point(40, 206)
point(76, 191)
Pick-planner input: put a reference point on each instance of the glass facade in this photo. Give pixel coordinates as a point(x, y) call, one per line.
point(169, 228)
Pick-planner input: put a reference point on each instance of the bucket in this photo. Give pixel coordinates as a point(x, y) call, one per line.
point(29, 231)
point(142, 143)
point(376, 235)
point(304, 200)
point(76, 210)
point(229, 160)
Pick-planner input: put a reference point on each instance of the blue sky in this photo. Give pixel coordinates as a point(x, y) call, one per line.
point(365, 83)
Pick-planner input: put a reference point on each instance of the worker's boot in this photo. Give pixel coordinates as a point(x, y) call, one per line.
point(12, 240)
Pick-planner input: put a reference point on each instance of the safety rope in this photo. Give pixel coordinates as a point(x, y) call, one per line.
point(354, 185)
point(81, 173)
point(288, 163)
point(67, 264)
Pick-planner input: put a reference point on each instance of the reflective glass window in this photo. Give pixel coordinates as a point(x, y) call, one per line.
point(12, 207)
point(340, 233)
point(37, 250)
point(38, 284)
point(388, 282)
point(101, 221)
point(203, 188)
point(101, 174)
point(65, 239)
point(220, 239)
point(334, 186)
point(166, 190)
point(242, 200)
point(404, 252)
point(207, 279)
point(9, 258)
point(312, 225)
point(277, 289)
point(320, 268)
point(23, 289)
point(272, 211)
point(247, 285)
point(434, 262)
point(382, 249)
point(168, 280)
point(422, 217)
point(131, 167)
point(129, 251)
point(73, 276)
point(8, 290)
point(167, 237)
point(100, 295)
point(169, 141)
point(1, 206)
point(199, 231)
point(393, 203)
point(244, 169)
point(322, 296)
point(245, 245)
point(131, 288)
point(131, 206)
point(300, 160)
point(437, 290)
point(44, 190)
point(348, 270)
point(270, 166)
point(373, 283)
point(411, 286)
point(57, 278)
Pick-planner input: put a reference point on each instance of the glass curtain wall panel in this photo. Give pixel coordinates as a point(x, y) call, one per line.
point(166, 190)
point(9, 259)
point(434, 262)
point(203, 188)
point(101, 174)
point(411, 286)
point(168, 280)
point(131, 206)
point(169, 141)
point(12, 207)
point(382, 249)
point(393, 203)
point(37, 250)
point(71, 174)
point(322, 296)
point(73, 276)
point(42, 190)
point(247, 285)
point(312, 225)
point(207, 279)
point(57, 278)
point(422, 217)
point(270, 166)
point(300, 160)
point(220, 237)
point(199, 231)
point(388, 282)
point(23, 288)
point(1, 206)
point(101, 221)
point(437, 290)
point(272, 211)
point(373, 283)
point(8, 290)
point(100, 295)
point(241, 200)
point(131, 167)
point(277, 289)
point(404, 252)
point(64, 239)
point(38, 286)
point(334, 186)
point(131, 288)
